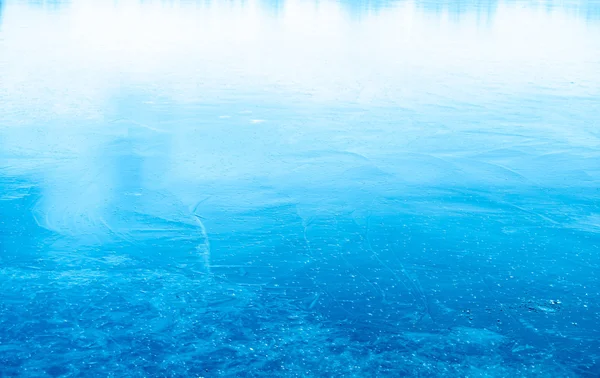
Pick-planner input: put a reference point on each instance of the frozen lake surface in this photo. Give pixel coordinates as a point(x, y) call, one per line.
point(300, 188)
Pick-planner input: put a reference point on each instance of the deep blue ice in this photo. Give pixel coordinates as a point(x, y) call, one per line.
point(300, 188)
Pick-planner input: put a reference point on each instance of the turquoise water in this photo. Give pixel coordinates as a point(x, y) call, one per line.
point(300, 188)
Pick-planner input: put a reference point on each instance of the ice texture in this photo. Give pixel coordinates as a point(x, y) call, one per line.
point(293, 188)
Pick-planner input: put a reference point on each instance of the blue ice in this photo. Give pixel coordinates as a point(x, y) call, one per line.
point(300, 188)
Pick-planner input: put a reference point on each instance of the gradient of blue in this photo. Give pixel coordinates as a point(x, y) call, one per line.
point(285, 203)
